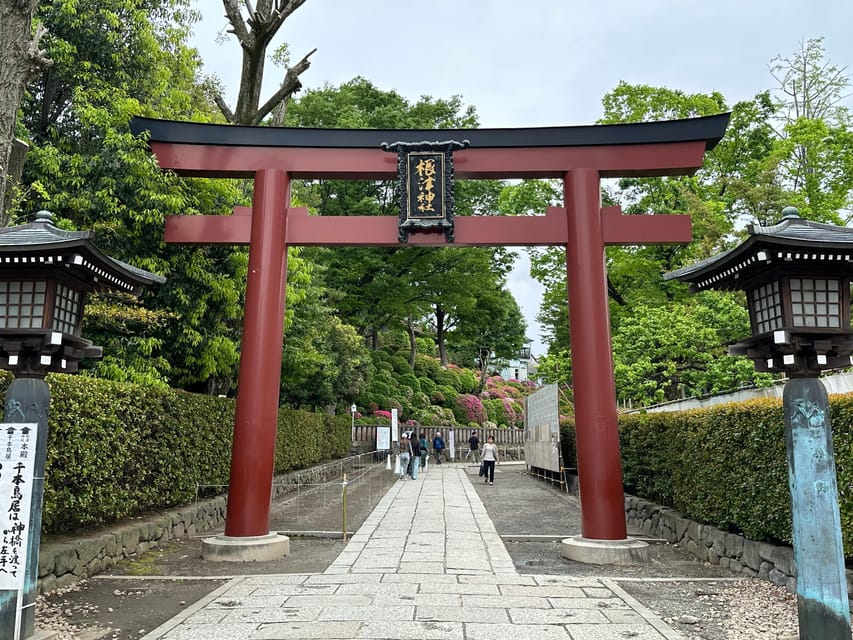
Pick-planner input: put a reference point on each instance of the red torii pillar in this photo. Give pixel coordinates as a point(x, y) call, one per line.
point(582, 226)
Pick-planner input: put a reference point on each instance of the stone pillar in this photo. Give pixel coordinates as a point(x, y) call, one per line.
point(822, 606)
point(28, 400)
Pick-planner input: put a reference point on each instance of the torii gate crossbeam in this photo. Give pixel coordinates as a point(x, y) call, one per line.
point(580, 156)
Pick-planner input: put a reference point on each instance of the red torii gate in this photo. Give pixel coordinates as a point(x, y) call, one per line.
point(581, 156)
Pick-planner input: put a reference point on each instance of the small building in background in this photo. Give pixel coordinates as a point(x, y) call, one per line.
point(522, 368)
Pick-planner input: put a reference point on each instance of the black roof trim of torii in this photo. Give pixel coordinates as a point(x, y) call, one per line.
point(709, 129)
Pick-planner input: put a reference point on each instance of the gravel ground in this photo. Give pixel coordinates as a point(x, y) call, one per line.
point(742, 610)
point(699, 600)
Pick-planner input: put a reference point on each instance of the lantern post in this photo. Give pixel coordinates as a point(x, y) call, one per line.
point(45, 276)
point(797, 277)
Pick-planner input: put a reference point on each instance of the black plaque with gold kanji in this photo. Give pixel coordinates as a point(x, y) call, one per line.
point(425, 187)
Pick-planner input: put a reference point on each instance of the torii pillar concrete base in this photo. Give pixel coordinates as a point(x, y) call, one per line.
point(589, 551)
point(245, 548)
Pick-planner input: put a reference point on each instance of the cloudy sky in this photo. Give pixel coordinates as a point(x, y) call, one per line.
point(541, 62)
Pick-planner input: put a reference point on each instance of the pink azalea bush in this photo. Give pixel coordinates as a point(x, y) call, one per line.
point(469, 408)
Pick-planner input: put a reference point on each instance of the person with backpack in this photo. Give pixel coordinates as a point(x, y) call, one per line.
point(438, 447)
point(424, 450)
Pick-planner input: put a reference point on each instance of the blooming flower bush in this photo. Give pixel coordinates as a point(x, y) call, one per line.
point(469, 408)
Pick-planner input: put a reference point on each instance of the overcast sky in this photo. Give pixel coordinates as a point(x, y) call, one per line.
point(540, 62)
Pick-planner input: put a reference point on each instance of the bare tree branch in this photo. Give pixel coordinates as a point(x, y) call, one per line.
point(289, 86)
point(283, 10)
point(223, 107)
point(239, 29)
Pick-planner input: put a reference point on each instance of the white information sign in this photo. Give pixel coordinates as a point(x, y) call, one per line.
point(383, 438)
point(17, 465)
point(395, 427)
point(451, 443)
point(542, 429)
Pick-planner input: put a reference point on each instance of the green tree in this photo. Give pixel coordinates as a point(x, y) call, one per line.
point(667, 352)
point(21, 58)
point(380, 289)
point(715, 198)
point(495, 331)
point(115, 59)
point(816, 142)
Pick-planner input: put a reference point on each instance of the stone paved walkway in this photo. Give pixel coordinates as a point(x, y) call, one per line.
point(426, 564)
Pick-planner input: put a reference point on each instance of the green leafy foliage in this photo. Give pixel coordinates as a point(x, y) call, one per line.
point(117, 449)
point(666, 352)
point(724, 465)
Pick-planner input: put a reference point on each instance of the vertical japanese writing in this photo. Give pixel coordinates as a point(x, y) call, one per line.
point(16, 479)
point(425, 168)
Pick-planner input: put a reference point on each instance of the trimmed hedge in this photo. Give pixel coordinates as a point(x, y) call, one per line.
point(117, 449)
point(725, 465)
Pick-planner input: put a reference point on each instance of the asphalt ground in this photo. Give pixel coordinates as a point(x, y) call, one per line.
point(700, 600)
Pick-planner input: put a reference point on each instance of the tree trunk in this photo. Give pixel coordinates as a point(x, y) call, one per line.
point(413, 349)
point(254, 34)
point(20, 61)
point(439, 335)
point(484, 358)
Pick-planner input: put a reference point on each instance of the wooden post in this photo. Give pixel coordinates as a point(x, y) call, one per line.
point(253, 448)
point(599, 464)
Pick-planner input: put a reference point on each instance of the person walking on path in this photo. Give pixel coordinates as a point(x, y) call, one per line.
point(424, 450)
point(416, 455)
point(474, 445)
point(438, 447)
point(405, 456)
point(490, 459)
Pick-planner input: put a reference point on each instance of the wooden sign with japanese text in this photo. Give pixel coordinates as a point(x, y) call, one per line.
point(425, 187)
point(17, 464)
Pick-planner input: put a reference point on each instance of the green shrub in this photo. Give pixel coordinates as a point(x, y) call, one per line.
point(427, 385)
point(466, 381)
point(401, 365)
point(116, 449)
point(420, 400)
point(444, 396)
point(568, 442)
point(409, 380)
point(445, 378)
point(725, 466)
point(427, 367)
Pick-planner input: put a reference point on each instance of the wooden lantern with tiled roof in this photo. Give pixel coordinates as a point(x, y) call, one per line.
point(796, 275)
point(45, 276)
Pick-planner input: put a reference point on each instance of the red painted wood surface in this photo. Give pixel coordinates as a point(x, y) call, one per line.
point(253, 446)
point(381, 231)
point(582, 226)
point(666, 159)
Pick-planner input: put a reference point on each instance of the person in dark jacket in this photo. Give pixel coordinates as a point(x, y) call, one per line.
point(474, 447)
point(424, 451)
point(416, 456)
point(438, 447)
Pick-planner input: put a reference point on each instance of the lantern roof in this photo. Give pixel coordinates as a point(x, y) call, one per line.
point(40, 244)
point(790, 241)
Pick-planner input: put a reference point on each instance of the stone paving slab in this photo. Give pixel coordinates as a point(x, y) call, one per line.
point(428, 565)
